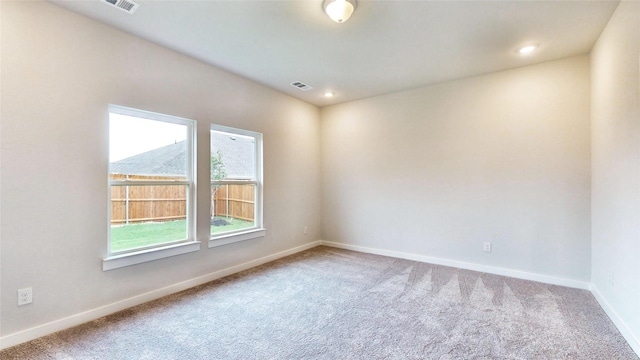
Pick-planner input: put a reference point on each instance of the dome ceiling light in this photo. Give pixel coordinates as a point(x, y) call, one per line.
point(339, 10)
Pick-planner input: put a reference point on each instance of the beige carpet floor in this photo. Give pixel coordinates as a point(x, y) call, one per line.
point(326, 303)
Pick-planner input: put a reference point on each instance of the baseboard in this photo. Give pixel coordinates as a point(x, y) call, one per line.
point(629, 336)
point(80, 318)
point(632, 340)
point(465, 265)
point(90, 315)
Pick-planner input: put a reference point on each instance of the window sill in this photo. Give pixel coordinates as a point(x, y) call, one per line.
point(226, 239)
point(118, 261)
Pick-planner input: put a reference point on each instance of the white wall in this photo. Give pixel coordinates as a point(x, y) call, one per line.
point(59, 72)
point(615, 109)
point(439, 170)
point(434, 171)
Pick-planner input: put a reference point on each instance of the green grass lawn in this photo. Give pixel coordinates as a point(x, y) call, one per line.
point(126, 237)
point(234, 224)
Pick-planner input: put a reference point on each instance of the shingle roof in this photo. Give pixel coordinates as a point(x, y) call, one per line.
point(237, 157)
point(237, 154)
point(167, 160)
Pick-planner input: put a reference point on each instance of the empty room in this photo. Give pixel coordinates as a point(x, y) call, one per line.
point(319, 179)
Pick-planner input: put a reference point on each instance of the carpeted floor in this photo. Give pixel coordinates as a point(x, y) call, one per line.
point(327, 303)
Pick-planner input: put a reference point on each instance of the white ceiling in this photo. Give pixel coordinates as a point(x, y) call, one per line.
point(386, 46)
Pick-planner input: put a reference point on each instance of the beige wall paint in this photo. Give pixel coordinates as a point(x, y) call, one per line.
point(615, 151)
point(59, 72)
point(439, 170)
point(433, 171)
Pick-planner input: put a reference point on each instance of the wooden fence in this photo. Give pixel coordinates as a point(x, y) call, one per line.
point(235, 201)
point(136, 203)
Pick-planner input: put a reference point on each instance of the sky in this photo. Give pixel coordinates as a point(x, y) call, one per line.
point(130, 136)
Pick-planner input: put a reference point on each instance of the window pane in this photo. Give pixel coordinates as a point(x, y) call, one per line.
point(233, 156)
point(235, 175)
point(145, 149)
point(144, 215)
point(232, 207)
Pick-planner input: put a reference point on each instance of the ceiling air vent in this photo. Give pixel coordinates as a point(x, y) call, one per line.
point(124, 5)
point(302, 86)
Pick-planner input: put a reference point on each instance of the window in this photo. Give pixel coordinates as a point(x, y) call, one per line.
point(236, 185)
point(151, 187)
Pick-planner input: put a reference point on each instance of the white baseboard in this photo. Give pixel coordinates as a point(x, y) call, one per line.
point(81, 318)
point(632, 340)
point(464, 265)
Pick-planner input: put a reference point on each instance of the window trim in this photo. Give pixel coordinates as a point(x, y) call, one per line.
point(117, 259)
point(156, 253)
point(258, 229)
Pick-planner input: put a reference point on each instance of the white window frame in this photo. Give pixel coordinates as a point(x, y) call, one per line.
point(258, 229)
point(119, 259)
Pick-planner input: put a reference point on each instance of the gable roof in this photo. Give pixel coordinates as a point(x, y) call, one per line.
point(170, 160)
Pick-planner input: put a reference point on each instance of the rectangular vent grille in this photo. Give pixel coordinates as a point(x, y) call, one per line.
point(302, 86)
point(127, 6)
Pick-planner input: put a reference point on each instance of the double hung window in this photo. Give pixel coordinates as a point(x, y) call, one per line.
point(152, 191)
point(151, 183)
point(236, 185)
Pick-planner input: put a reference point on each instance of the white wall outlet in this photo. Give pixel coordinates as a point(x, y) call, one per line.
point(612, 278)
point(25, 296)
point(306, 230)
point(487, 246)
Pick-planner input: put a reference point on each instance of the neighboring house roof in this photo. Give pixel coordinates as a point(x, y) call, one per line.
point(237, 154)
point(167, 160)
point(237, 157)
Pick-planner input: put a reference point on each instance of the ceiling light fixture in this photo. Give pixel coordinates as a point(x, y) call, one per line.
point(527, 49)
point(339, 10)
point(328, 94)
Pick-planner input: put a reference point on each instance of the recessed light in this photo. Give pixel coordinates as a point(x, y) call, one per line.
point(527, 49)
point(328, 94)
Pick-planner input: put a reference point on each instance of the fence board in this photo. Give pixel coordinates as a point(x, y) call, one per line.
point(135, 203)
point(236, 201)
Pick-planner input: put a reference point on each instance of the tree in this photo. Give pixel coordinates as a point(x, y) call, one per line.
point(218, 172)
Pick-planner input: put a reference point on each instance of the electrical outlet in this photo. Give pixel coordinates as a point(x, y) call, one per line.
point(306, 230)
point(612, 278)
point(25, 296)
point(487, 246)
